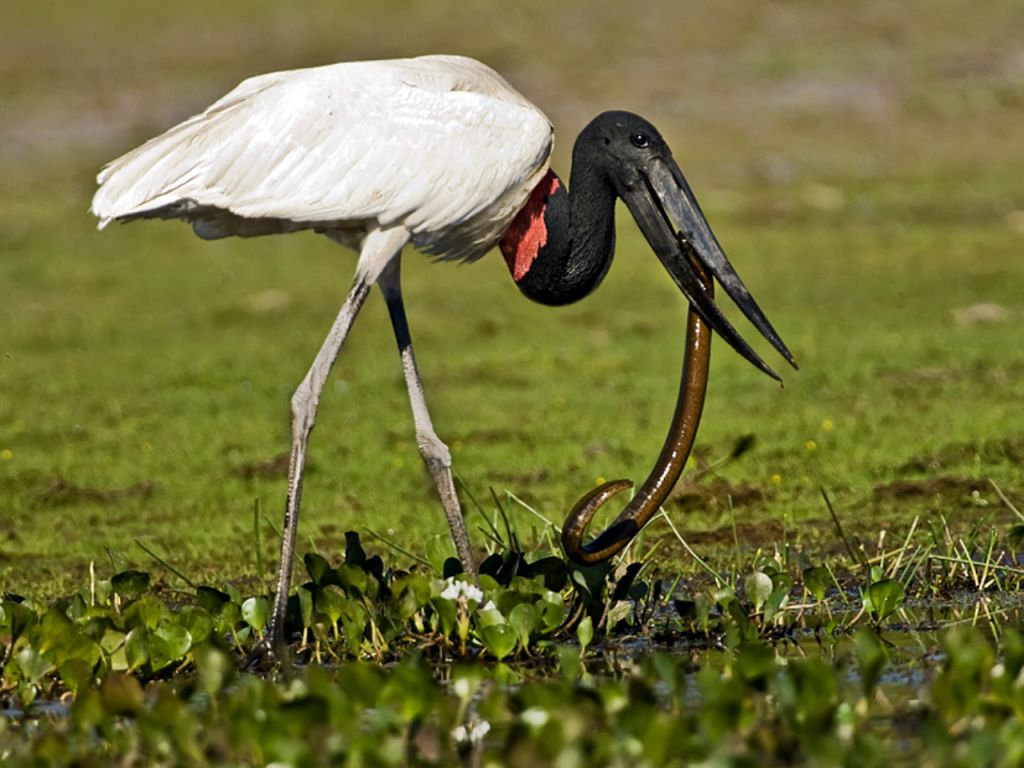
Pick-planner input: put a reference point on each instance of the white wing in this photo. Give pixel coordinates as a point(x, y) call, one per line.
point(441, 145)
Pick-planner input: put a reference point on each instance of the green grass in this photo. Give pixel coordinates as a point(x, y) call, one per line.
point(860, 167)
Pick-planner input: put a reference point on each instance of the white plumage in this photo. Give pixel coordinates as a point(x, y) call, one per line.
point(442, 146)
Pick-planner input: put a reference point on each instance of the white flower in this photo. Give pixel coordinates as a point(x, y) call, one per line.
point(457, 588)
point(473, 735)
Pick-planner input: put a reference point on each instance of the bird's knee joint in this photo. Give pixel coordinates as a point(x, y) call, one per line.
point(432, 449)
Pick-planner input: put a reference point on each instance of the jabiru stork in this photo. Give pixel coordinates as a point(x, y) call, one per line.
point(442, 153)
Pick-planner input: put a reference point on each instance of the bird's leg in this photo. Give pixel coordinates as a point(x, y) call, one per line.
point(379, 247)
point(435, 453)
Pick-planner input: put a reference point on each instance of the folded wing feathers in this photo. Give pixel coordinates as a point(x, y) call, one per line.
point(428, 143)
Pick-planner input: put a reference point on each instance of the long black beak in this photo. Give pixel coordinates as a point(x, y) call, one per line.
point(670, 218)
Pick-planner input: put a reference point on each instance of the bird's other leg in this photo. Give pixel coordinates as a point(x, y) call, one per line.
point(378, 248)
point(436, 455)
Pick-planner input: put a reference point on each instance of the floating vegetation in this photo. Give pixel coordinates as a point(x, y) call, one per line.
point(541, 663)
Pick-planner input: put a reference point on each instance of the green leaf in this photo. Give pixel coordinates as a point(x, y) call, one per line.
point(31, 665)
point(817, 581)
point(552, 608)
point(76, 674)
point(136, 647)
point(122, 695)
point(215, 668)
point(352, 579)
point(885, 598)
point(523, 619)
point(212, 600)
point(746, 628)
point(62, 640)
point(585, 633)
point(305, 606)
point(197, 621)
point(130, 585)
point(330, 601)
point(755, 663)
point(872, 657)
point(168, 644)
point(18, 619)
point(147, 611)
point(256, 612)
point(354, 553)
point(317, 567)
point(758, 587)
point(499, 640)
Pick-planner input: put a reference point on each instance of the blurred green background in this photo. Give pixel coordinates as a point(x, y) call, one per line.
point(859, 161)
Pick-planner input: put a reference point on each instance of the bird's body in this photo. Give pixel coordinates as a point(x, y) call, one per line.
point(440, 152)
point(441, 146)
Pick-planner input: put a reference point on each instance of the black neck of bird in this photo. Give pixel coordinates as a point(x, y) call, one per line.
point(560, 245)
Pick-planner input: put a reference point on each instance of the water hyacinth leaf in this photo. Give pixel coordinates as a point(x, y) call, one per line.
point(491, 565)
point(147, 612)
point(755, 663)
point(31, 665)
point(122, 695)
point(775, 602)
point(130, 585)
point(354, 553)
point(758, 586)
point(354, 624)
point(305, 606)
point(781, 582)
point(499, 640)
point(446, 614)
point(413, 593)
point(317, 567)
point(638, 591)
point(747, 630)
point(885, 598)
point(168, 644)
point(330, 601)
point(62, 640)
point(136, 647)
point(524, 619)
point(872, 657)
point(702, 604)
point(256, 613)
point(723, 597)
point(585, 633)
point(229, 617)
point(233, 592)
point(76, 674)
point(197, 621)
point(78, 607)
point(215, 668)
point(212, 600)
point(352, 579)
point(552, 607)
point(554, 571)
point(817, 581)
point(489, 614)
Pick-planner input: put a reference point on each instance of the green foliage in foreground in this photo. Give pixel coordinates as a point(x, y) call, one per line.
point(544, 664)
point(763, 707)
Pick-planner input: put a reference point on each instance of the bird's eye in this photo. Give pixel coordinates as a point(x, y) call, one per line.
point(640, 140)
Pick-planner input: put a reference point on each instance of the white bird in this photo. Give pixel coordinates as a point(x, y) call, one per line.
point(439, 152)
